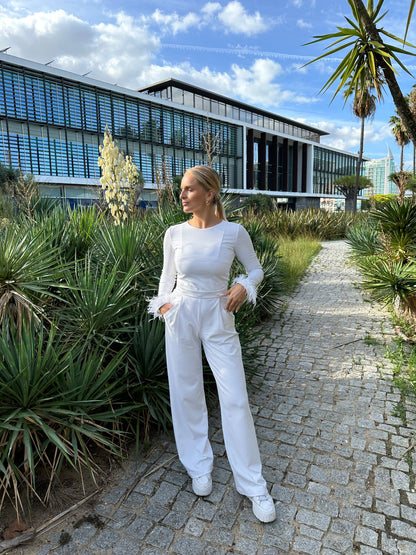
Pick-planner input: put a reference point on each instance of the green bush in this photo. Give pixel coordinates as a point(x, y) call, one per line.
point(54, 404)
point(258, 203)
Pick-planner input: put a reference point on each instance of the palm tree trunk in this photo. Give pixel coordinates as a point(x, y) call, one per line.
point(402, 107)
point(359, 161)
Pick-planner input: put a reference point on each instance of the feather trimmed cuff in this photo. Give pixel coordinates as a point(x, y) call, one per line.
point(155, 303)
point(248, 286)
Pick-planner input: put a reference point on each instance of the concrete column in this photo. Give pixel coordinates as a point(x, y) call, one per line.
point(285, 148)
point(295, 166)
point(304, 168)
point(262, 162)
point(250, 155)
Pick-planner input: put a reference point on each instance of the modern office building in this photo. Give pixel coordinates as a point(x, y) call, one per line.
point(379, 171)
point(52, 123)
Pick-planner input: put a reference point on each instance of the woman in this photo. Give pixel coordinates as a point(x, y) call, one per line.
point(199, 310)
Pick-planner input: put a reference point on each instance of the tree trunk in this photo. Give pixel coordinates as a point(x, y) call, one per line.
point(359, 161)
point(402, 107)
point(401, 158)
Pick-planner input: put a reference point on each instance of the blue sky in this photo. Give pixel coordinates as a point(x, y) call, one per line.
point(250, 51)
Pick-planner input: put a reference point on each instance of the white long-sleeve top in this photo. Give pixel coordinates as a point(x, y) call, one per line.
point(198, 261)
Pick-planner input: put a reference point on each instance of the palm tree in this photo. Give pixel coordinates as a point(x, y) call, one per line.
point(369, 55)
point(400, 135)
point(412, 106)
point(364, 106)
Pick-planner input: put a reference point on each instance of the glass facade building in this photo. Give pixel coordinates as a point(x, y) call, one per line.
point(52, 123)
point(379, 171)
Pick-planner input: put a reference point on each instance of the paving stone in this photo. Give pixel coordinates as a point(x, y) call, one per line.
point(106, 540)
point(307, 545)
point(138, 528)
point(366, 536)
point(311, 518)
point(195, 527)
point(189, 546)
point(403, 530)
point(160, 537)
point(246, 546)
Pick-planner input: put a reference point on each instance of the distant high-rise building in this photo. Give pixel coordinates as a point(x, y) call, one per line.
point(378, 171)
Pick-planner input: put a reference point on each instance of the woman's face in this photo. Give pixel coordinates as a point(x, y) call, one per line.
point(193, 196)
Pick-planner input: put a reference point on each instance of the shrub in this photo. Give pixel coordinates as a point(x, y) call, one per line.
point(55, 404)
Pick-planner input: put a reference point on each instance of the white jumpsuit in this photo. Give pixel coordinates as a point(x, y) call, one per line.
point(199, 261)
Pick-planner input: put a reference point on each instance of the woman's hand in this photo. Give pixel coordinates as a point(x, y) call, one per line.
point(236, 296)
point(164, 308)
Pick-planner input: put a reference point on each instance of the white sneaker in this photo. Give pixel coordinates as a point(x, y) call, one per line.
point(202, 485)
point(263, 508)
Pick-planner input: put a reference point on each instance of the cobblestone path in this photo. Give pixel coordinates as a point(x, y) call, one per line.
point(332, 450)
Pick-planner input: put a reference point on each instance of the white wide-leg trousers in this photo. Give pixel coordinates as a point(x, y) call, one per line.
point(191, 322)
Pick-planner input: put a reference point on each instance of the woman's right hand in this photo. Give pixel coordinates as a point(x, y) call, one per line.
point(164, 308)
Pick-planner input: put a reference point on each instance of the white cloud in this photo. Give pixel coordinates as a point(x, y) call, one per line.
point(113, 52)
point(122, 50)
point(211, 8)
point(175, 23)
point(235, 18)
point(299, 3)
point(346, 136)
point(41, 34)
point(303, 24)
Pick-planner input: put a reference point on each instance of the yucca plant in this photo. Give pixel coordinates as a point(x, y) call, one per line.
point(364, 240)
point(269, 294)
point(397, 226)
point(389, 279)
point(98, 303)
point(30, 272)
point(54, 405)
point(79, 233)
point(137, 244)
point(148, 384)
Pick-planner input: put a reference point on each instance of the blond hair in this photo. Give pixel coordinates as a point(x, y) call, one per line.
point(209, 179)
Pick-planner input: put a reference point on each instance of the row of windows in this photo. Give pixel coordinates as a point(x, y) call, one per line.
point(207, 104)
point(62, 103)
point(328, 166)
point(43, 155)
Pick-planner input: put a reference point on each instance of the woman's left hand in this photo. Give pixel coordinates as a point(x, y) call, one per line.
point(236, 297)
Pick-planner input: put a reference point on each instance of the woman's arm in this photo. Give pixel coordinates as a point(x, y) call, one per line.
point(245, 253)
point(167, 278)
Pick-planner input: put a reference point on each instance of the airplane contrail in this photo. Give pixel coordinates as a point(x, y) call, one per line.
point(244, 51)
